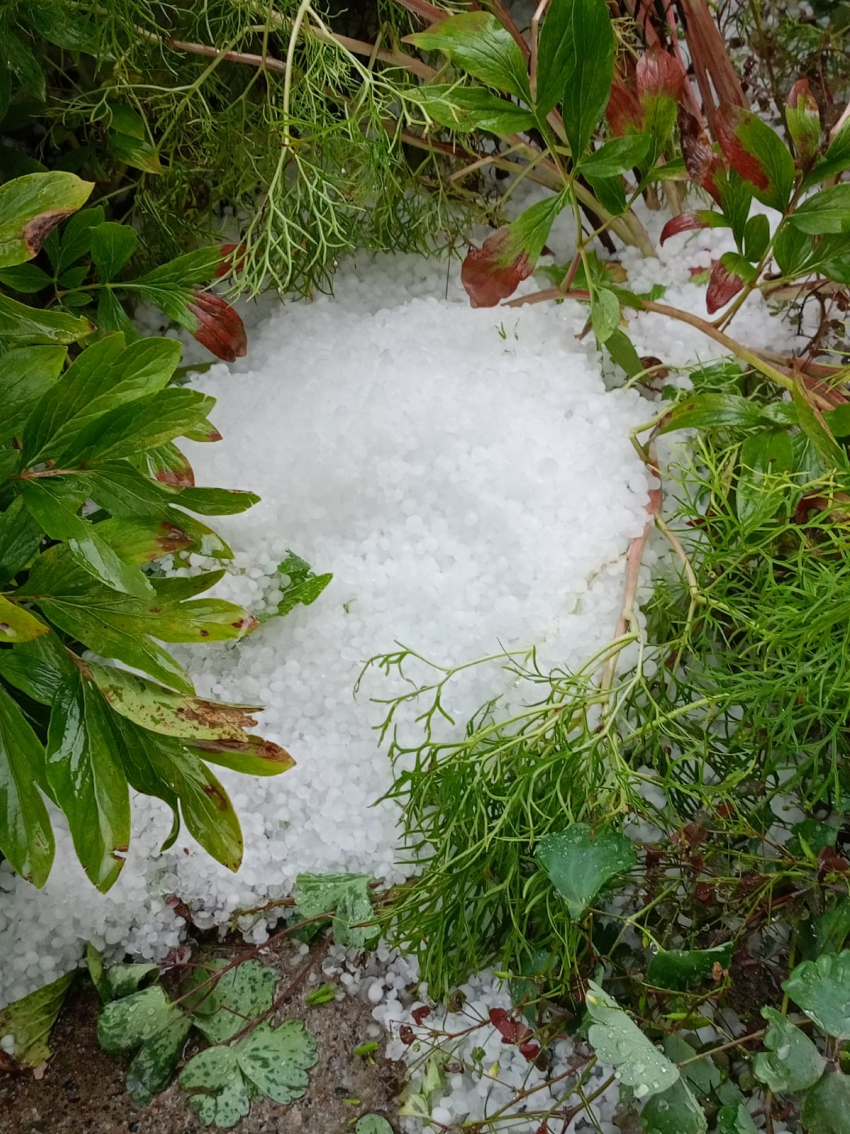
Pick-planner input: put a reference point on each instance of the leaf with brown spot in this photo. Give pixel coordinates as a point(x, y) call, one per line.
point(169, 466)
point(701, 162)
point(31, 207)
point(219, 327)
point(252, 756)
point(173, 714)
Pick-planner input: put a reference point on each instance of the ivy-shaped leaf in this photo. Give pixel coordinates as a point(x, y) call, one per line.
point(791, 1061)
point(579, 863)
point(344, 895)
point(822, 989)
point(617, 1040)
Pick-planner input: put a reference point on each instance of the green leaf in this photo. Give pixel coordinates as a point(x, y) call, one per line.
point(835, 160)
point(161, 766)
point(674, 1111)
point(324, 994)
point(24, 325)
point(111, 316)
point(241, 994)
point(775, 159)
point(17, 624)
point(618, 155)
point(527, 235)
point(30, 208)
point(20, 537)
point(811, 836)
point(31, 1020)
point(766, 459)
point(832, 928)
point(344, 895)
point(827, 212)
point(826, 1108)
point(37, 667)
point(791, 1062)
point(87, 782)
point(76, 238)
point(143, 539)
point(575, 64)
point(303, 585)
point(135, 152)
point(135, 426)
point(822, 989)
point(478, 44)
point(813, 425)
point(25, 278)
point(756, 237)
point(186, 271)
point(112, 245)
point(471, 108)
point(149, 1021)
point(218, 502)
point(373, 1124)
point(579, 863)
point(155, 1061)
point(94, 963)
point(681, 969)
point(26, 836)
point(702, 1074)
point(709, 411)
point(623, 354)
point(25, 374)
point(734, 1118)
point(269, 1061)
point(87, 548)
point(24, 64)
point(604, 313)
point(791, 247)
point(617, 1040)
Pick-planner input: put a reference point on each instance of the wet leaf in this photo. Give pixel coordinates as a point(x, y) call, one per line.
point(25, 325)
point(705, 411)
point(17, 624)
point(86, 781)
point(269, 1061)
point(822, 989)
point(681, 969)
point(240, 995)
point(303, 586)
point(674, 1111)
point(26, 836)
point(791, 1061)
point(734, 1118)
point(701, 1074)
point(31, 1019)
point(826, 1108)
point(347, 897)
point(512, 1031)
point(579, 863)
point(617, 1040)
point(31, 207)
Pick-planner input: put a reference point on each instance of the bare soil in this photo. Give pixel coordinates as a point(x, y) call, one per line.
point(82, 1088)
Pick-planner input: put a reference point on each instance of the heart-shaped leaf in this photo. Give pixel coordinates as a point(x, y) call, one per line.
point(791, 1061)
point(617, 1040)
point(822, 989)
point(579, 863)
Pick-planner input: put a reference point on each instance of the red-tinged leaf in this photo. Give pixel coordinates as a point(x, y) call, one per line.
point(511, 1031)
point(684, 222)
point(170, 466)
point(530, 1050)
point(228, 264)
point(659, 73)
point(831, 862)
point(746, 165)
point(219, 329)
point(491, 272)
point(803, 118)
point(406, 1034)
point(420, 1013)
point(701, 162)
point(722, 286)
point(624, 112)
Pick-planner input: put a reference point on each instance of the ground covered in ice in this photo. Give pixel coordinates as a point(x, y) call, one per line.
point(468, 479)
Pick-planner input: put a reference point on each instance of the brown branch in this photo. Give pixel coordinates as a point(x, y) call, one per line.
point(267, 62)
point(424, 10)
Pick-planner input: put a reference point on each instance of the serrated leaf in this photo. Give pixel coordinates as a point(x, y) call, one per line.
point(26, 836)
point(303, 586)
point(87, 782)
point(826, 1108)
point(822, 989)
point(681, 969)
point(31, 1020)
point(579, 863)
point(478, 44)
point(112, 245)
point(346, 896)
point(29, 325)
point(31, 207)
point(791, 1061)
point(617, 1040)
point(373, 1124)
point(674, 1111)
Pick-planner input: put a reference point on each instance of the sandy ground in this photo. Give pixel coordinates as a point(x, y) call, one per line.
point(83, 1087)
